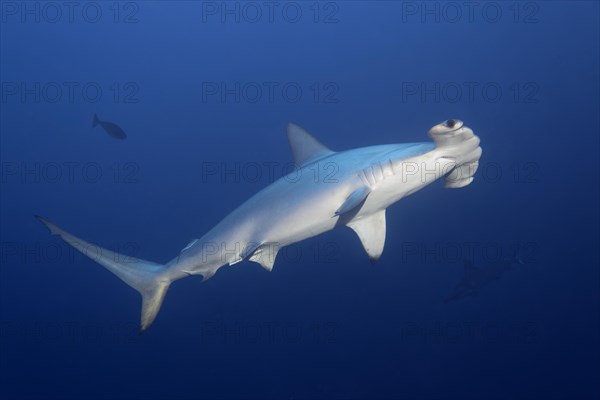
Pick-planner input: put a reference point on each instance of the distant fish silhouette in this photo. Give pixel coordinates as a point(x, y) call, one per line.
point(475, 278)
point(112, 129)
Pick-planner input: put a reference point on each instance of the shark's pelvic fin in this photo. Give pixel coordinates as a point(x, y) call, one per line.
point(305, 148)
point(371, 232)
point(265, 255)
point(144, 276)
point(355, 199)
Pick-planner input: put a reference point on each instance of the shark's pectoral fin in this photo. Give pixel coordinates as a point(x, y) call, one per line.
point(353, 201)
point(305, 147)
point(371, 232)
point(263, 254)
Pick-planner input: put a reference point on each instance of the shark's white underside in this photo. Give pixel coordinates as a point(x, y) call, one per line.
point(328, 189)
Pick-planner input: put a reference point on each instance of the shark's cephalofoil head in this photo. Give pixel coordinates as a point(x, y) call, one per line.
point(451, 132)
point(446, 127)
point(453, 123)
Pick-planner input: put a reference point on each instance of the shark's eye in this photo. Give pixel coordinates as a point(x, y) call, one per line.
point(451, 123)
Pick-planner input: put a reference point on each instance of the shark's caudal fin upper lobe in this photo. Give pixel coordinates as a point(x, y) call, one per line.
point(146, 277)
point(96, 121)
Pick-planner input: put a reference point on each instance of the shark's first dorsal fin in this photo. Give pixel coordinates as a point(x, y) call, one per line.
point(371, 232)
point(305, 148)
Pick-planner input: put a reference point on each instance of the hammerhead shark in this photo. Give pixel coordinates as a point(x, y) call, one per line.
point(366, 181)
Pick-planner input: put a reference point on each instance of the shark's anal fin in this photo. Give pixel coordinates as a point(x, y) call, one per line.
point(371, 232)
point(355, 199)
point(305, 147)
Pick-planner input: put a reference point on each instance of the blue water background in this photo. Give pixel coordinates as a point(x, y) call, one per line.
point(325, 323)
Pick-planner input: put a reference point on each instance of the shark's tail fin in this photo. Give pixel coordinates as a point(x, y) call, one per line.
point(148, 278)
point(96, 121)
point(453, 135)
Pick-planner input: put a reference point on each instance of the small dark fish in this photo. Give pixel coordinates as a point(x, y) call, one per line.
point(475, 278)
point(112, 129)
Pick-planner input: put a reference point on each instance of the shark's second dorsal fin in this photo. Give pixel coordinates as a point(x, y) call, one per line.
point(305, 148)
